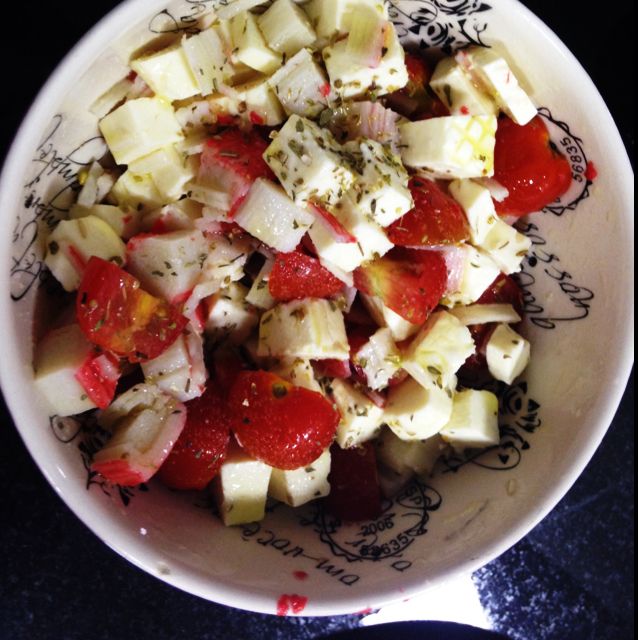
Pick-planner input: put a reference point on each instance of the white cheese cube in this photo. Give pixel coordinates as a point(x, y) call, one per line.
point(140, 127)
point(169, 264)
point(474, 421)
point(351, 80)
point(206, 58)
point(310, 329)
point(125, 223)
point(379, 359)
point(494, 74)
point(73, 242)
point(330, 17)
point(361, 419)
point(477, 272)
point(286, 27)
point(241, 488)
point(450, 147)
point(307, 161)
point(399, 327)
point(137, 192)
point(261, 103)
point(269, 215)
point(168, 73)
point(485, 313)
point(259, 294)
point(298, 372)
point(506, 246)
point(372, 241)
point(169, 170)
point(381, 184)
point(458, 93)
point(300, 486)
point(230, 316)
point(250, 45)
point(58, 357)
point(179, 371)
point(414, 412)
point(507, 354)
point(415, 455)
point(301, 85)
point(439, 350)
point(478, 205)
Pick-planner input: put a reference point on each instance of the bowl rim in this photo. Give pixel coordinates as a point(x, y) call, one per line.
point(199, 583)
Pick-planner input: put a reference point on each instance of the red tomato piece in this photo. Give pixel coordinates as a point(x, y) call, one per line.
point(232, 161)
point(354, 483)
point(435, 219)
point(201, 448)
point(332, 368)
point(285, 426)
point(118, 316)
point(295, 276)
point(530, 166)
point(410, 282)
point(99, 376)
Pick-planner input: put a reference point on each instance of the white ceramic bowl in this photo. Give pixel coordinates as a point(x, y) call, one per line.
point(579, 296)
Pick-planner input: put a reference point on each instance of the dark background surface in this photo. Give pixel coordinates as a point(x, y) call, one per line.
point(571, 577)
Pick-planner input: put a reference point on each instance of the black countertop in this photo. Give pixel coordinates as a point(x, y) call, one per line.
point(571, 577)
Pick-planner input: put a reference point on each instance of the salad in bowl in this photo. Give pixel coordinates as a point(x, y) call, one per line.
point(291, 272)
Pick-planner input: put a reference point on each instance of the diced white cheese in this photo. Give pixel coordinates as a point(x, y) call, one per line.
point(506, 246)
point(381, 184)
point(457, 91)
point(439, 350)
point(250, 45)
point(485, 313)
point(140, 127)
point(494, 74)
point(416, 413)
point(507, 354)
point(414, 455)
point(269, 215)
point(73, 242)
point(372, 241)
point(350, 80)
point(259, 294)
point(330, 17)
point(298, 372)
point(58, 357)
point(179, 371)
point(300, 486)
point(478, 271)
point(307, 161)
point(310, 329)
point(125, 223)
point(478, 205)
point(206, 57)
point(379, 359)
point(450, 147)
point(169, 170)
point(474, 421)
point(400, 328)
point(169, 264)
point(241, 488)
point(360, 420)
point(168, 73)
point(229, 316)
point(301, 85)
point(261, 104)
point(137, 192)
point(286, 27)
